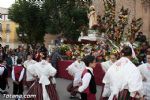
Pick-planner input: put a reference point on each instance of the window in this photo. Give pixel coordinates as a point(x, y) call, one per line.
point(6, 17)
point(0, 27)
point(3, 17)
point(7, 28)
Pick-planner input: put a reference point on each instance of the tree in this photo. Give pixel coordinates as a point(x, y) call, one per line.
point(54, 16)
point(30, 19)
point(66, 17)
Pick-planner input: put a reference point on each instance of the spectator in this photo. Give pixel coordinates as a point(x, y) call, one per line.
point(55, 56)
point(140, 37)
point(2, 54)
point(3, 77)
point(17, 76)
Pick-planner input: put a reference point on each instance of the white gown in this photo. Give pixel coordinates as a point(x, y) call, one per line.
point(43, 70)
point(1, 70)
point(106, 65)
point(145, 71)
point(123, 74)
point(29, 76)
point(75, 70)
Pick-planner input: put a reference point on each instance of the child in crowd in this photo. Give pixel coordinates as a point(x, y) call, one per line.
point(17, 76)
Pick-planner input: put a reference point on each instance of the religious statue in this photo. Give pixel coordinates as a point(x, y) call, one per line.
point(92, 17)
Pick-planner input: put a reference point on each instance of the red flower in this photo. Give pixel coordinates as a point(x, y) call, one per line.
point(69, 53)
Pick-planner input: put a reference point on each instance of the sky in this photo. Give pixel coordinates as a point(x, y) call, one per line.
point(6, 3)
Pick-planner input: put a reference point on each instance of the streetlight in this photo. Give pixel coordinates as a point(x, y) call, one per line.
point(22, 35)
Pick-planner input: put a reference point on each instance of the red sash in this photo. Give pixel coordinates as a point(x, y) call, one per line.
point(17, 72)
point(87, 89)
point(90, 96)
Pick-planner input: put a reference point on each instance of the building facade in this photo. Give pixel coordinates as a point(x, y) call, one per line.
point(137, 9)
point(7, 29)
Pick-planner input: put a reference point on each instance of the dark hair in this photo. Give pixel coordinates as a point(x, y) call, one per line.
point(127, 51)
point(140, 32)
point(29, 54)
point(1, 61)
point(43, 55)
point(19, 61)
point(88, 59)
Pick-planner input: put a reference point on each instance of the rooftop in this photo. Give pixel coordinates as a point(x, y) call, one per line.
point(3, 10)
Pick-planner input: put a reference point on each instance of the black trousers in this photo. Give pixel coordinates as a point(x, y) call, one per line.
point(18, 88)
point(71, 88)
point(3, 83)
point(83, 96)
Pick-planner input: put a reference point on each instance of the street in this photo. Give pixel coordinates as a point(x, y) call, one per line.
point(61, 89)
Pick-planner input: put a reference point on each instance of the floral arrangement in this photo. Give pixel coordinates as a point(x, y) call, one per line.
point(64, 48)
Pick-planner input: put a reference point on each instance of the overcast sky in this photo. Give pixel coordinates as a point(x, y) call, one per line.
point(6, 3)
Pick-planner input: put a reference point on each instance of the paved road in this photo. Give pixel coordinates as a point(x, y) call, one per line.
point(61, 88)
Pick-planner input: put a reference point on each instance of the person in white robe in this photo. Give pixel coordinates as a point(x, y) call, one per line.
point(123, 74)
point(29, 77)
point(145, 71)
point(53, 78)
point(75, 70)
point(105, 66)
point(43, 87)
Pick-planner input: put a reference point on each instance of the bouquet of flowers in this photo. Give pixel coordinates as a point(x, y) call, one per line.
point(64, 48)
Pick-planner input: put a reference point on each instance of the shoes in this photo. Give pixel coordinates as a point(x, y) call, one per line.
point(1, 92)
point(71, 97)
point(75, 97)
point(5, 92)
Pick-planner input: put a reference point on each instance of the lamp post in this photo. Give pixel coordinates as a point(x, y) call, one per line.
point(22, 35)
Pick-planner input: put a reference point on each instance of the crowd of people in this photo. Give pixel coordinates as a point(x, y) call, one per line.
point(123, 79)
point(36, 68)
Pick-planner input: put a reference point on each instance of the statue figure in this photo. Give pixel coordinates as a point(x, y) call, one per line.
point(92, 17)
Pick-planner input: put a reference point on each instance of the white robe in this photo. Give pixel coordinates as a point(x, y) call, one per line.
point(2, 70)
point(43, 70)
point(145, 71)
point(106, 65)
point(123, 74)
point(29, 76)
point(75, 70)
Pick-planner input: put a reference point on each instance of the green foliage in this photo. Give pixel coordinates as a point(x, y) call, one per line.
point(66, 17)
point(30, 19)
point(116, 26)
point(135, 61)
point(54, 17)
point(64, 48)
